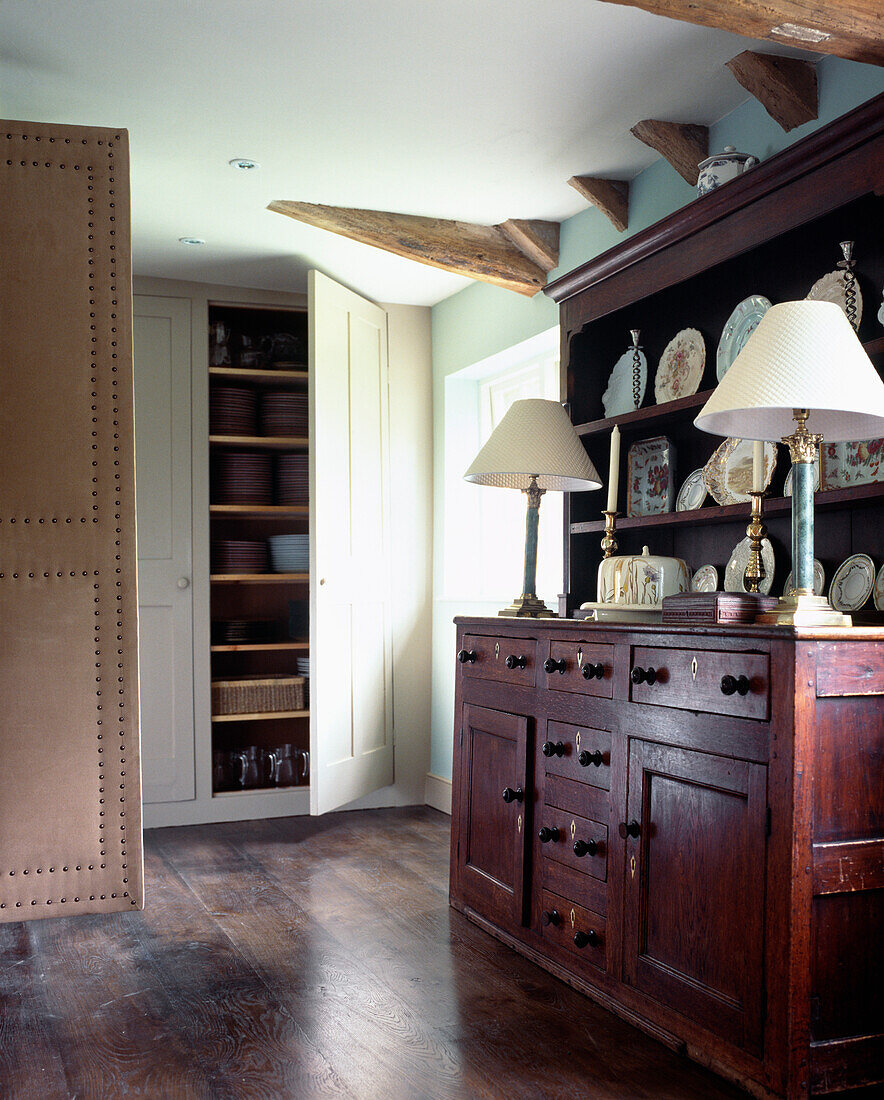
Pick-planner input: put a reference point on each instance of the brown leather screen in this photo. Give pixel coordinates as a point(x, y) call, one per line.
point(70, 788)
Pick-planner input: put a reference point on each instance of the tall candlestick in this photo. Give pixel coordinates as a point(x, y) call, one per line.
point(614, 469)
point(758, 467)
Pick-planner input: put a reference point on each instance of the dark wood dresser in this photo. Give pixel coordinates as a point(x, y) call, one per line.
point(688, 826)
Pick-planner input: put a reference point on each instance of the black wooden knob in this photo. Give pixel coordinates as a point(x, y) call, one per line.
point(581, 939)
point(552, 665)
point(510, 795)
point(467, 656)
point(585, 758)
point(731, 684)
point(550, 917)
point(593, 672)
point(547, 834)
point(585, 847)
point(643, 675)
point(632, 829)
point(516, 662)
point(550, 749)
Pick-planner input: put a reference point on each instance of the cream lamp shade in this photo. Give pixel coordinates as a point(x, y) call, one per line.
point(535, 438)
point(803, 355)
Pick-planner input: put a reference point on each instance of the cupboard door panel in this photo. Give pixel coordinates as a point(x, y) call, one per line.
point(493, 832)
point(70, 791)
point(695, 887)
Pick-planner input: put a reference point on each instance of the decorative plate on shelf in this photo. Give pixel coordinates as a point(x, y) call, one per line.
point(705, 579)
point(728, 473)
point(680, 369)
point(650, 469)
point(817, 478)
point(853, 583)
point(737, 330)
point(879, 589)
point(736, 567)
point(692, 493)
point(856, 462)
point(618, 397)
point(834, 288)
point(819, 580)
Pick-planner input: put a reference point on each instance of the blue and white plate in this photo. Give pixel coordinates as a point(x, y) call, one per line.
point(737, 330)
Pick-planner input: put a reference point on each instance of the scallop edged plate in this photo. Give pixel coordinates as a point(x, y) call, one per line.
point(853, 583)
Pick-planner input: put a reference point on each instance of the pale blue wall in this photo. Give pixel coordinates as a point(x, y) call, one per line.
point(482, 319)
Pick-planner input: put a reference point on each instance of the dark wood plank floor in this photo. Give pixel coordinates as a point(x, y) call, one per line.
point(302, 958)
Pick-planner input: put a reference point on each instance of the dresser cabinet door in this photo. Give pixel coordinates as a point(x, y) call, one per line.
point(492, 814)
point(695, 834)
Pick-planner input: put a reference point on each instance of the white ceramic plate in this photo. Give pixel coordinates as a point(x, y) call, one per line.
point(618, 398)
point(705, 579)
point(692, 493)
point(819, 580)
point(856, 462)
point(649, 465)
point(737, 330)
point(681, 365)
point(853, 583)
point(817, 479)
point(736, 567)
point(833, 288)
point(879, 589)
point(728, 473)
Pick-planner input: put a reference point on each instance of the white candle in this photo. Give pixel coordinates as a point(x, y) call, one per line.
point(758, 467)
point(614, 469)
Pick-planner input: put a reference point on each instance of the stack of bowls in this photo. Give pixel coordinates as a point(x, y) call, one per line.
point(290, 553)
point(239, 556)
point(303, 664)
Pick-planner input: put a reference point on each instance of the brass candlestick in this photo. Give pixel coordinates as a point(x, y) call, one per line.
point(754, 573)
point(609, 542)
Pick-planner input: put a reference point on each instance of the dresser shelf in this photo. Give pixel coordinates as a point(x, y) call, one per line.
point(260, 578)
point(261, 647)
point(259, 377)
point(261, 442)
point(258, 511)
point(263, 716)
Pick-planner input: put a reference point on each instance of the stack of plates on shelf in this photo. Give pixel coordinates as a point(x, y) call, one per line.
point(291, 479)
point(239, 556)
point(243, 631)
point(232, 411)
point(304, 670)
point(290, 553)
point(283, 413)
point(243, 477)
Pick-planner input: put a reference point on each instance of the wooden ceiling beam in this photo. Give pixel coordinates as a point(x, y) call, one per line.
point(610, 196)
point(483, 252)
point(848, 28)
point(538, 240)
point(785, 86)
point(683, 144)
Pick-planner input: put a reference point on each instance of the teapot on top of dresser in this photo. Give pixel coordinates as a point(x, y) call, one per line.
point(721, 167)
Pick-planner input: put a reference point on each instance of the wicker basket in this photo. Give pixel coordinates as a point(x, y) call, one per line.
point(257, 695)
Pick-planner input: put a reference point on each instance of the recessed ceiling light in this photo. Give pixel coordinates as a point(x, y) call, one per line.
point(191, 240)
point(245, 164)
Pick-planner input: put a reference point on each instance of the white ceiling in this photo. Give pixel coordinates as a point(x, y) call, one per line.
point(471, 109)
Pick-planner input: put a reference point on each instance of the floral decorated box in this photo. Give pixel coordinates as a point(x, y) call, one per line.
point(650, 477)
point(857, 462)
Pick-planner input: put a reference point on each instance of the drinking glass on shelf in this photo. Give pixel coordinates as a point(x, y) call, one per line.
point(287, 772)
point(269, 760)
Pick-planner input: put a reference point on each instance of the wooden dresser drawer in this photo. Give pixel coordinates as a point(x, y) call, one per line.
point(578, 752)
point(485, 657)
point(579, 842)
point(582, 667)
point(714, 681)
point(571, 926)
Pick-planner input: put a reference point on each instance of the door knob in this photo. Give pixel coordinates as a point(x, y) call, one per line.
point(643, 675)
point(550, 917)
point(466, 656)
point(731, 684)
point(633, 829)
point(585, 758)
point(547, 834)
point(585, 847)
point(581, 939)
point(516, 662)
point(548, 748)
point(510, 795)
point(552, 665)
point(183, 582)
point(593, 672)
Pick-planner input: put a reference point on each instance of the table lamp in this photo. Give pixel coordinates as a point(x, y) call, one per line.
point(803, 368)
point(534, 448)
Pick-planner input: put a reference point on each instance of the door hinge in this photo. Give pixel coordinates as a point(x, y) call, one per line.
point(767, 826)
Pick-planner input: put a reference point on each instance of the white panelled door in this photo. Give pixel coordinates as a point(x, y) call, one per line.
point(351, 690)
point(162, 339)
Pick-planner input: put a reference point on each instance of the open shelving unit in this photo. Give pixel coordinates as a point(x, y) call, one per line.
point(264, 596)
point(774, 231)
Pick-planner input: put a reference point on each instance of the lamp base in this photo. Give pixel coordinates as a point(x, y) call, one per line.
point(528, 607)
point(801, 609)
